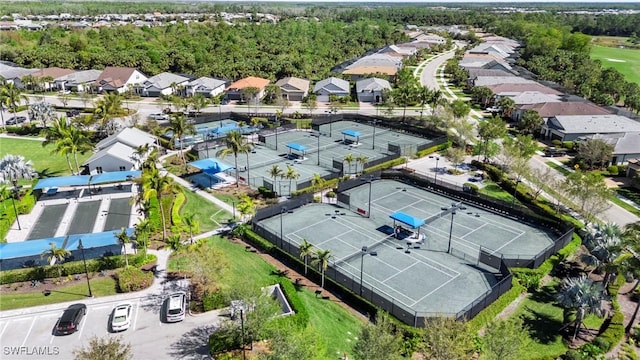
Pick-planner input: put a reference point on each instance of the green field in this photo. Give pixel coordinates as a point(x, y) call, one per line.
point(626, 61)
point(45, 163)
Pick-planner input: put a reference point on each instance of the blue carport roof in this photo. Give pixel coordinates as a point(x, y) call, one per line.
point(83, 180)
point(211, 166)
point(95, 240)
point(405, 218)
point(296, 147)
point(351, 133)
point(28, 248)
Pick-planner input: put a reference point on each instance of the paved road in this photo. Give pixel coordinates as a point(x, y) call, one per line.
point(429, 74)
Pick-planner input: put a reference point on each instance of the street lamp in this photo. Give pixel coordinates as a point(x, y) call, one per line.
point(368, 179)
point(452, 209)
point(435, 177)
point(15, 191)
point(365, 250)
point(86, 270)
point(318, 135)
point(233, 203)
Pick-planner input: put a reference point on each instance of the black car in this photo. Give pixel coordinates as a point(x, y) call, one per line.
point(70, 320)
point(15, 120)
point(73, 112)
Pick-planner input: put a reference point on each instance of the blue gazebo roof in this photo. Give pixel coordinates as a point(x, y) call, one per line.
point(407, 219)
point(352, 133)
point(297, 147)
point(211, 166)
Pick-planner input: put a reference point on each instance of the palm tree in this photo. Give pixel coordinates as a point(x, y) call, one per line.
point(306, 250)
point(321, 258)
point(175, 242)
point(349, 159)
point(424, 95)
point(275, 172)
point(141, 232)
point(198, 102)
point(12, 97)
point(604, 244)
point(291, 174)
point(235, 144)
point(246, 206)
point(580, 296)
point(156, 185)
point(5, 193)
point(55, 255)
point(630, 261)
point(78, 142)
point(437, 98)
point(361, 159)
point(107, 108)
point(14, 167)
point(123, 240)
point(192, 223)
point(179, 127)
point(139, 154)
point(318, 183)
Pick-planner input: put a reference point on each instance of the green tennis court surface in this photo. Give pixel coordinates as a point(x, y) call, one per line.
point(48, 222)
point(84, 217)
point(119, 214)
point(423, 278)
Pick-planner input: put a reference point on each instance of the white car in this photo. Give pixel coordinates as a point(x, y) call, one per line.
point(176, 306)
point(121, 318)
point(159, 116)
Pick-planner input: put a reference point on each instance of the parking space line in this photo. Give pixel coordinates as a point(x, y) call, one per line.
point(84, 321)
point(29, 332)
point(137, 310)
point(4, 328)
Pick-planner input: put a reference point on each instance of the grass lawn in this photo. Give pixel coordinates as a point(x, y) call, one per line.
point(45, 163)
point(560, 168)
point(624, 205)
point(626, 61)
point(493, 190)
point(207, 214)
point(336, 325)
point(100, 286)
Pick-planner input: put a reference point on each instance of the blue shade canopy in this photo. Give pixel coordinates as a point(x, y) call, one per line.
point(407, 219)
point(352, 133)
point(96, 240)
point(296, 147)
point(83, 180)
point(225, 129)
point(28, 248)
point(211, 166)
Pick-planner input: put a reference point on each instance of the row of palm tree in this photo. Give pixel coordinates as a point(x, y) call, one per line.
point(67, 140)
point(360, 159)
point(276, 172)
point(318, 257)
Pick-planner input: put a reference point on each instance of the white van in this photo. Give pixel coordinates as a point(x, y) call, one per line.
point(176, 306)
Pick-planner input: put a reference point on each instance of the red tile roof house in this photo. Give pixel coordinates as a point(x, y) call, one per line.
point(117, 78)
point(50, 74)
point(234, 91)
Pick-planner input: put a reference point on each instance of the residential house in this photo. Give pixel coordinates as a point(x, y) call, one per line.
point(510, 88)
point(163, 84)
point(574, 127)
point(397, 51)
point(46, 76)
point(293, 88)
point(117, 157)
point(475, 72)
point(371, 89)
point(496, 80)
point(529, 97)
point(209, 87)
point(13, 74)
point(431, 38)
point(332, 86)
point(130, 136)
point(487, 61)
point(234, 91)
point(626, 146)
point(549, 109)
point(79, 81)
point(381, 65)
point(114, 78)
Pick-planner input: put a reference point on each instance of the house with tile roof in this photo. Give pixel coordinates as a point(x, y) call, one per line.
point(332, 86)
point(206, 86)
point(47, 76)
point(234, 91)
point(549, 109)
point(293, 88)
point(116, 78)
point(626, 146)
point(530, 97)
point(163, 84)
point(574, 127)
point(371, 89)
point(80, 81)
point(381, 65)
point(511, 89)
point(13, 74)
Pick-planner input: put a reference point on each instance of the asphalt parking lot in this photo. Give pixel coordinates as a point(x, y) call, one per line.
point(31, 335)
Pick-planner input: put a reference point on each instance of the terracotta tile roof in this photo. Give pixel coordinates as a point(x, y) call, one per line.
point(298, 83)
point(250, 81)
point(54, 72)
point(115, 76)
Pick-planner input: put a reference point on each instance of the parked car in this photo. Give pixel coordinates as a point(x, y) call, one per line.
point(552, 151)
point(176, 306)
point(121, 317)
point(64, 92)
point(70, 320)
point(159, 116)
point(15, 120)
point(494, 109)
point(73, 112)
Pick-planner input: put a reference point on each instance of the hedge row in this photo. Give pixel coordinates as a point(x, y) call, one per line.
point(155, 221)
point(301, 319)
point(24, 206)
point(178, 201)
point(27, 130)
point(258, 241)
point(73, 267)
point(385, 165)
point(332, 183)
point(133, 279)
point(431, 150)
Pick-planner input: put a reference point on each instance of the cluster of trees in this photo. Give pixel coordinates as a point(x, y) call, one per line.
point(303, 48)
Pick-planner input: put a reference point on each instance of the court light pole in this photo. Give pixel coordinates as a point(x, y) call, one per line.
point(435, 178)
point(365, 250)
point(14, 193)
point(331, 112)
point(318, 146)
point(368, 179)
point(373, 140)
point(86, 270)
point(452, 209)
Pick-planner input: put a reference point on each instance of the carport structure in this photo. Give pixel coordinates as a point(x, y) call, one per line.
point(87, 180)
point(411, 221)
point(301, 149)
point(211, 166)
point(350, 134)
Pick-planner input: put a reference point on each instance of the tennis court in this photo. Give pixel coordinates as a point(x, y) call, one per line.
point(84, 217)
point(119, 214)
point(422, 278)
